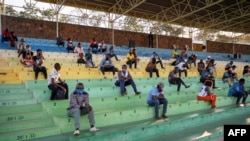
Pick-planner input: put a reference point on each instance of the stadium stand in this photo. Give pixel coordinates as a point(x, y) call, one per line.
point(26, 113)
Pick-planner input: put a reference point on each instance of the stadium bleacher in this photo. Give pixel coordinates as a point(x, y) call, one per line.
point(26, 113)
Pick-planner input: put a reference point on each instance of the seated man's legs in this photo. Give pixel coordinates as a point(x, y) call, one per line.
point(91, 118)
point(103, 70)
point(132, 83)
point(130, 62)
point(156, 104)
point(122, 87)
point(75, 113)
point(159, 61)
point(165, 104)
point(65, 85)
point(54, 89)
point(150, 72)
point(178, 82)
point(209, 98)
point(44, 70)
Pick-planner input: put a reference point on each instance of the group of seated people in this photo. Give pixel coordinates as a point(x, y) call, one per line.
point(10, 37)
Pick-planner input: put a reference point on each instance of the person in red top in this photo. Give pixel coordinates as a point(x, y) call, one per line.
point(6, 35)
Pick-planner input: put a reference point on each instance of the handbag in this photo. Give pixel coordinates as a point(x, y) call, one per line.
point(60, 94)
point(83, 109)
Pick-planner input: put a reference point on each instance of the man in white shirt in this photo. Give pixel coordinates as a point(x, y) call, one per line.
point(55, 82)
point(182, 67)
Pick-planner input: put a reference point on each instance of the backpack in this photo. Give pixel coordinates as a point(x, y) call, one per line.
point(60, 94)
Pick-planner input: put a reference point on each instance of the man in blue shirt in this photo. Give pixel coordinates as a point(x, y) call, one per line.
point(155, 98)
point(238, 90)
point(106, 65)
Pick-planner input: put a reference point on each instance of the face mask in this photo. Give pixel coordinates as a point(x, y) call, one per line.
point(159, 89)
point(79, 91)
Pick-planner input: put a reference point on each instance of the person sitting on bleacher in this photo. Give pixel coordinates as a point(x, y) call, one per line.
point(151, 67)
point(112, 54)
point(59, 40)
point(175, 53)
point(192, 60)
point(79, 106)
point(158, 59)
point(211, 66)
point(131, 59)
point(174, 79)
point(230, 75)
point(6, 35)
point(182, 67)
point(21, 46)
point(156, 98)
point(55, 83)
point(38, 61)
point(206, 94)
point(102, 47)
point(93, 45)
point(238, 90)
point(125, 79)
point(135, 55)
point(25, 51)
point(70, 45)
point(246, 71)
point(78, 49)
point(27, 61)
point(207, 75)
point(14, 40)
point(106, 65)
point(229, 65)
point(201, 66)
point(89, 61)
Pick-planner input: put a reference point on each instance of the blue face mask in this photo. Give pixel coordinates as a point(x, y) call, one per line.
point(79, 91)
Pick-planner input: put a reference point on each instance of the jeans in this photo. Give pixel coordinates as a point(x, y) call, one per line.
point(75, 113)
point(239, 95)
point(123, 84)
point(156, 104)
point(178, 82)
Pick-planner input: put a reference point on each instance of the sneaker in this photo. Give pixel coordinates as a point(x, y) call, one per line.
point(76, 132)
point(187, 86)
point(124, 93)
point(213, 107)
point(157, 117)
point(164, 116)
point(137, 93)
point(93, 129)
point(240, 105)
point(245, 104)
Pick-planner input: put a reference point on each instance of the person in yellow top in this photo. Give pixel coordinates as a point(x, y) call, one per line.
point(151, 67)
point(174, 53)
point(131, 59)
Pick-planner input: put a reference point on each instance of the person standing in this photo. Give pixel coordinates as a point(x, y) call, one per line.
point(150, 40)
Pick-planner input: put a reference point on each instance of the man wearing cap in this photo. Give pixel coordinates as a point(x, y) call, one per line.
point(79, 100)
point(155, 98)
point(38, 61)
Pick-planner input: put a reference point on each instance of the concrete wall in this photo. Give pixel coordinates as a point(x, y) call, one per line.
point(47, 30)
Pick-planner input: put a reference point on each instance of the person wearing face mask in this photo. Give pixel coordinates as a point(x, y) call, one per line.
point(131, 59)
point(106, 65)
point(79, 100)
point(38, 61)
point(238, 91)
point(173, 79)
point(155, 98)
point(125, 79)
point(151, 67)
